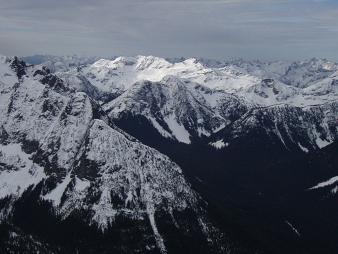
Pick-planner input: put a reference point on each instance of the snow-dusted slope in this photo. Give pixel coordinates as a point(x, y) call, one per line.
point(178, 108)
point(329, 182)
point(59, 142)
point(294, 128)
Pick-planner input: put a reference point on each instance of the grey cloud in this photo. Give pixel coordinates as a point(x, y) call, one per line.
point(243, 28)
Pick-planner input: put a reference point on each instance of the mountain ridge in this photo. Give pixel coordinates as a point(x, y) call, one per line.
point(161, 148)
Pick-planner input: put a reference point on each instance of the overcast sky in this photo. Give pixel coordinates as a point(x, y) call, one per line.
point(262, 29)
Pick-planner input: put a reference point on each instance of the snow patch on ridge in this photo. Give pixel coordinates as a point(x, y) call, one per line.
point(304, 149)
point(178, 130)
point(158, 237)
point(334, 190)
point(81, 184)
point(25, 173)
point(158, 127)
point(326, 183)
point(104, 213)
point(219, 144)
point(56, 194)
point(321, 143)
point(293, 228)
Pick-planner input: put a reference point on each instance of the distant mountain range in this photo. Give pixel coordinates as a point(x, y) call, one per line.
point(151, 155)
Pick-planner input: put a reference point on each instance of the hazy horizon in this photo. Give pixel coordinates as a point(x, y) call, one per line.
point(225, 58)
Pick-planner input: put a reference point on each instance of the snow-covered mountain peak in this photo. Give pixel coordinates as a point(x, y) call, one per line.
point(61, 149)
point(151, 62)
point(118, 62)
point(193, 62)
point(120, 74)
point(138, 62)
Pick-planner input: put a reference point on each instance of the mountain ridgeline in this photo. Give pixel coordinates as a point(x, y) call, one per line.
point(151, 155)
